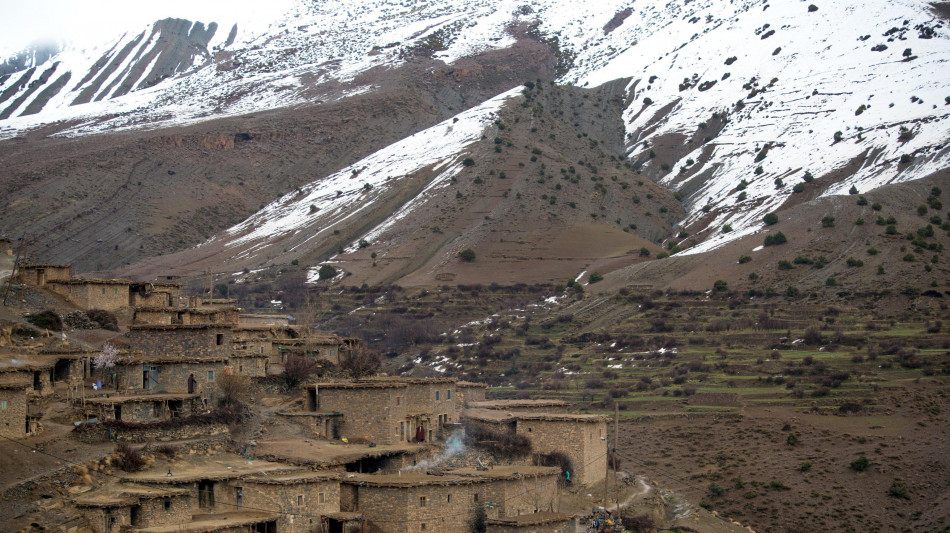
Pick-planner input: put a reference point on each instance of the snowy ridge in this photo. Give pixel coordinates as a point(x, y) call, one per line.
point(781, 74)
point(824, 70)
point(352, 191)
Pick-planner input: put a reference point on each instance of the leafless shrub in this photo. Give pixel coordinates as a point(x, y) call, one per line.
point(297, 369)
point(360, 363)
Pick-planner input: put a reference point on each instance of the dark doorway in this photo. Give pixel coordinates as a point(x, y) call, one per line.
point(239, 496)
point(117, 412)
point(191, 384)
point(136, 515)
point(206, 493)
point(36, 381)
point(312, 404)
point(61, 370)
point(266, 527)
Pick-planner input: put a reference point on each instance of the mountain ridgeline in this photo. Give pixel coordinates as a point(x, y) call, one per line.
point(550, 142)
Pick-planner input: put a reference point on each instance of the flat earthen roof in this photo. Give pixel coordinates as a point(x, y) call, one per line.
point(44, 265)
point(91, 281)
point(561, 417)
point(507, 472)
point(321, 453)
point(472, 384)
point(514, 404)
point(293, 478)
point(405, 480)
point(174, 327)
point(359, 385)
point(133, 398)
point(196, 469)
point(532, 519)
point(214, 522)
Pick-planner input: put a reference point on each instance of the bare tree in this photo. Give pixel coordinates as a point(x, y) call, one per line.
point(360, 362)
point(298, 369)
point(233, 389)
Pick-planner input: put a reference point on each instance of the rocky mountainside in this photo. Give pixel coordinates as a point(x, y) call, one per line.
point(735, 108)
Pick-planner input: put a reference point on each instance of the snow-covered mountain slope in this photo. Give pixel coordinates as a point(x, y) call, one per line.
point(805, 88)
point(732, 103)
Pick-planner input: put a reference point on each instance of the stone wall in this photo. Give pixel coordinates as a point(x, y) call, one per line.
point(39, 275)
point(468, 394)
point(438, 399)
point(582, 441)
point(186, 342)
point(560, 526)
point(13, 412)
point(375, 414)
point(107, 519)
point(302, 502)
point(168, 510)
point(172, 377)
point(400, 509)
point(87, 294)
point(252, 365)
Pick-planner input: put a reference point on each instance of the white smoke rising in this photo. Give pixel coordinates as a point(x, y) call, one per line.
point(453, 447)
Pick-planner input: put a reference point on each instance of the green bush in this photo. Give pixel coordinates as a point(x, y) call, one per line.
point(720, 286)
point(744, 259)
point(898, 489)
point(468, 161)
point(827, 221)
point(860, 464)
point(774, 239)
point(784, 265)
point(326, 272)
point(770, 219)
point(595, 277)
point(467, 255)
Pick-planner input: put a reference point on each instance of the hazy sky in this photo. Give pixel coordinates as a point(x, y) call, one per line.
point(87, 22)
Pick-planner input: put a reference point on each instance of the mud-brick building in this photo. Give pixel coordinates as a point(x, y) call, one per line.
point(39, 274)
point(413, 503)
point(15, 421)
point(171, 316)
point(249, 364)
point(25, 379)
point(544, 522)
point(374, 411)
point(256, 319)
point(301, 496)
point(469, 391)
point(116, 508)
point(534, 406)
point(583, 438)
point(431, 403)
point(108, 294)
point(515, 490)
point(154, 294)
point(144, 407)
point(194, 341)
point(158, 374)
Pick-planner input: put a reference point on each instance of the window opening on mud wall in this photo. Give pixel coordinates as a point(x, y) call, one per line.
point(448, 394)
point(475, 497)
point(219, 339)
point(3, 404)
point(448, 498)
point(422, 501)
point(103, 291)
point(322, 497)
point(436, 395)
point(167, 503)
point(422, 526)
point(211, 375)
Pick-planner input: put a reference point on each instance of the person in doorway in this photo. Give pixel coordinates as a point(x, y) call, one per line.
point(420, 434)
point(192, 383)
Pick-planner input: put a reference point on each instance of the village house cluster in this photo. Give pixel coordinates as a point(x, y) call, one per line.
point(376, 453)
